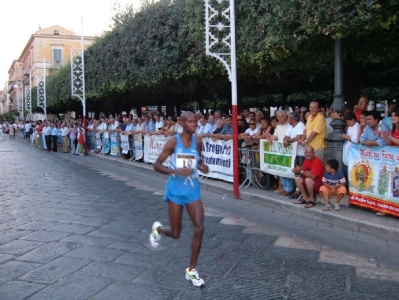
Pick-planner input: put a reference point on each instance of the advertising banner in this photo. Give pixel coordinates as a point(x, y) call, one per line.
point(153, 146)
point(114, 144)
point(138, 146)
point(98, 141)
point(374, 178)
point(125, 143)
point(275, 159)
point(218, 155)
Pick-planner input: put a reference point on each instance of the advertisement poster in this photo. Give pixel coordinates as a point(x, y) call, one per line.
point(138, 146)
point(114, 144)
point(98, 141)
point(374, 178)
point(275, 159)
point(125, 143)
point(153, 146)
point(218, 155)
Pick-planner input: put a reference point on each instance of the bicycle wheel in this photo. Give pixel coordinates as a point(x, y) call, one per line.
point(262, 179)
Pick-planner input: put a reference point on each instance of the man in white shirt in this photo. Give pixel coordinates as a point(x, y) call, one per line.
point(202, 127)
point(47, 136)
point(294, 134)
point(27, 130)
point(279, 134)
point(159, 125)
point(64, 135)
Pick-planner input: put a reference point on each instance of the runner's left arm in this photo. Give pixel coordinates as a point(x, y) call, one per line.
point(201, 166)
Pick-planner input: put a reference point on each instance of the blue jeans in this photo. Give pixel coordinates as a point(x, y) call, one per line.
point(288, 184)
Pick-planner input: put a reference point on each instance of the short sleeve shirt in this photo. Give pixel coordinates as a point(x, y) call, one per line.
point(314, 166)
point(318, 125)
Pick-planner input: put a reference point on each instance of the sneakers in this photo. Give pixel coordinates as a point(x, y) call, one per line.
point(155, 237)
point(328, 206)
point(336, 206)
point(194, 278)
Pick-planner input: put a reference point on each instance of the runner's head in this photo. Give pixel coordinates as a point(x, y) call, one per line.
point(189, 122)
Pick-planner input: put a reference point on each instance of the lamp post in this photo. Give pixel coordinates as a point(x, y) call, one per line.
point(334, 139)
point(20, 97)
point(221, 44)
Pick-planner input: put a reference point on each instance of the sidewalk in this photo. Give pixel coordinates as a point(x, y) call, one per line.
point(351, 217)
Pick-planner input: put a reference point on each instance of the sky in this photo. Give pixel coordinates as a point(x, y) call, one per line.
point(20, 19)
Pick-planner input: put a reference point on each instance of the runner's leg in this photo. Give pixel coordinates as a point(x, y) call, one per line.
point(196, 212)
point(175, 215)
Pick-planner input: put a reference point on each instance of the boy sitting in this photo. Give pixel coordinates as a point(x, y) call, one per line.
point(333, 183)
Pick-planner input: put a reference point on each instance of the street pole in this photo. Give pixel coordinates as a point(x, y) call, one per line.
point(219, 36)
point(78, 81)
point(334, 139)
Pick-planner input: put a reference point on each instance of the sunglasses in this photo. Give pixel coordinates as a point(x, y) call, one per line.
point(252, 124)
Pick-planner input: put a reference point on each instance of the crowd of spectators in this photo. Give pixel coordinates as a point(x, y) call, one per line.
point(308, 128)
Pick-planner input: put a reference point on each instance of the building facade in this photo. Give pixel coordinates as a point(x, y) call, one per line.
point(46, 51)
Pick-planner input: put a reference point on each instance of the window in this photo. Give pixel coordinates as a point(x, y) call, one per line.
point(57, 57)
point(56, 32)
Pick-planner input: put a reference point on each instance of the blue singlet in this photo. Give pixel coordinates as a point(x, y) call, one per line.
point(179, 189)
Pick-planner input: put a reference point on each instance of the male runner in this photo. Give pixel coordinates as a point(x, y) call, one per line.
point(183, 189)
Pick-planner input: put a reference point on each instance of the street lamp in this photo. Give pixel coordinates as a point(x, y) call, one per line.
point(20, 97)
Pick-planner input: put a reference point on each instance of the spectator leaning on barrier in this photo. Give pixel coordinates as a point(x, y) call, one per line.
point(373, 134)
point(309, 178)
point(294, 134)
point(246, 114)
point(333, 183)
point(287, 184)
point(315, 131)
point(387, 120)
point(227, 131)
point(242, 124)
point(258, 116)
point(149, 125)
point(393, 137)
point(247, 136)
point(202, 127)
point(219, 127)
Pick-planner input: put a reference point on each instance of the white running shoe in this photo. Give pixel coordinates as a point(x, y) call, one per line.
point(194, 278)
point(155, 237)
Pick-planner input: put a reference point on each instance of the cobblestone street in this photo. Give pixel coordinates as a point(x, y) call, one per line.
point(77, 228)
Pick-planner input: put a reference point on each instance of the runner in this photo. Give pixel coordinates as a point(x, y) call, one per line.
point(183, 189)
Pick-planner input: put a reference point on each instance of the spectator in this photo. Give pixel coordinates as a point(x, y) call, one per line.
point(264, 130)
point(242, 124)
point(294, 134)
point(333, 183)
point(387, 120)
point(393, 137)
point(309, 177)
point(362, 124)
point(202, 127)
point(149, 124)
point(259, 115)
point(374, 131)
point(272, 128)
point(351, 136)
point(362, 105)
point(287, 184)
point(246, 114)
point(248, 135)
point(315, 131)
point(227, 131)
point(54, 137)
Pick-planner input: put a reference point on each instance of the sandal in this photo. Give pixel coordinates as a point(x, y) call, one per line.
point(301, 201)
point(310, 204)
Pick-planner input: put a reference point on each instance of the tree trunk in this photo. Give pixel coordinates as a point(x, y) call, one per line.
point(170, 110)
point(178, 108)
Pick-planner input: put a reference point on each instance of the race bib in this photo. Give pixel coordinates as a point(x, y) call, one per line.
point(186, 160)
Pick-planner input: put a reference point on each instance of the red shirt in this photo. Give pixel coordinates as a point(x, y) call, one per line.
point(314, 166)
point(395, 135)
point(39, 131)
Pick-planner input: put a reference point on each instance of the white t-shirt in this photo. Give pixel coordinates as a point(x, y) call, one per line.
point(159, 125)
point(293, 132)
point(252, 132)
point(352, 133)
point(281, 131)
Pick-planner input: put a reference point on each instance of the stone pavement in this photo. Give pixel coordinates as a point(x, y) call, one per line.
point(77, 228)
point(349, 217)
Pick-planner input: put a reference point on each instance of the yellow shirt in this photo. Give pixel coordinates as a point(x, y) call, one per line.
point(318, 125)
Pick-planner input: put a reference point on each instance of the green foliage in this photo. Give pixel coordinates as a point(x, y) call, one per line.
point(156, 55)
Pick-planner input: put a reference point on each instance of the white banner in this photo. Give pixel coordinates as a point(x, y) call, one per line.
point(98, 141)
point(138, 146)
point(275, 159)
point(218, 156)
point(125, 143)
point(153, 146)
